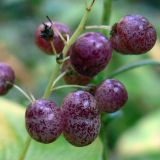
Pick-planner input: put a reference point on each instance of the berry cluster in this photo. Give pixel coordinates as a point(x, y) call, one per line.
point(79, 116)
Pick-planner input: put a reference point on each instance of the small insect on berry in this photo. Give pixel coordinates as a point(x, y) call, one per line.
point(133, 34)
point(7, 78)
point(47, 33)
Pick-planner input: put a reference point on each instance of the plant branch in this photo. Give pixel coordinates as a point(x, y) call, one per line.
point(107, 7)
point(99, 27)
point(24, 152)
point(79, 29)
point(58, 78)
point(133, 66)
point(23, 92)
point(69, 86)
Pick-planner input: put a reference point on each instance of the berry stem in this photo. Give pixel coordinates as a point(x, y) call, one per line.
point(52, 78)
point(69, 86)
point(107, 6)
point(103, 136)
point(58, 78)
point(133, 66)
point(26, 146)
point(53, 48)
point(30, 98)
point(79, 29)
point(99, 27)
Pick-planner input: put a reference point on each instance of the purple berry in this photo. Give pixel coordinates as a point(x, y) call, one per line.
point(133, 34)
point(81, 118)
point(44, 44)
point(44, 121)
point(7, 78)
point(90, 53)
point(111, 95)
point(73, 77)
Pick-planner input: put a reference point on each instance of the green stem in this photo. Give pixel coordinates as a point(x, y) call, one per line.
point(26, 146)
point(107, 7)
point(99, 27)
point(133, 66)
point(79, 29)
point(69, 86)
point(54, 74)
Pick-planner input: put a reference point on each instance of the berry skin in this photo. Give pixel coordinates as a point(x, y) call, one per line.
point(7, 78)
point(81, 118)
point(111, 95)
point(44, 121)
point(73, 77)
point(90, 53)
point(44, 44)
point(133, 34)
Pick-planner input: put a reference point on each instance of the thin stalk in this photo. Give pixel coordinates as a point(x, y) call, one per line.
point(99, 27)
point(57, 31)
point(107, 7)
point(59, 77)
point(48, 89)
point(26, 146)
point(133, 66)
point(69, 86)
point(79, 29)
point(23, 92)
point(53, 48)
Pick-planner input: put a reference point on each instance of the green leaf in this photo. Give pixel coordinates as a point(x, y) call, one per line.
point(13, 134)
point(142, 141)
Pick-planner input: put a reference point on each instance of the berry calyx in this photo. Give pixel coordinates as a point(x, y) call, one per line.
point(7, 78)
point(81, 118)
point(46, 33)
point(111, 95)
point(133, 34)
point(44, 121)
point(90, 53)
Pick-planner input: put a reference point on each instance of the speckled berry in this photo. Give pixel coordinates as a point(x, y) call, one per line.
point(73, 77)
point(44, 121)
point(111, 95)
point(81, 118)
point(90, 53)
point(7, 78)
point(44, 44)
point(133, 34)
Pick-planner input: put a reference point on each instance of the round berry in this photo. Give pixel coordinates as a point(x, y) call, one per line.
point(73, 77)
point(133, 34)
point(44, 121)
point(81, 132)
point(44, 44)
point(81, 118)
point(90, 53)
point(111, 95)
point(7, 78)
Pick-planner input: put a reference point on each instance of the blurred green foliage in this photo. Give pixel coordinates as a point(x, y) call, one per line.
point(18, 21)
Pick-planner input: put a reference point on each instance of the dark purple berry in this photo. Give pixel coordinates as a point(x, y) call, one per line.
point(44, 121)
point(81, 118)
point(7, 78)
point(133, 34)
point(90, 53)
point(111, 95)
point(73, 77)
point(81, 132)
point(44, 44)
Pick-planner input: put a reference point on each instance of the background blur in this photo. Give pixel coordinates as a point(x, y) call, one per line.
point(134, 132)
